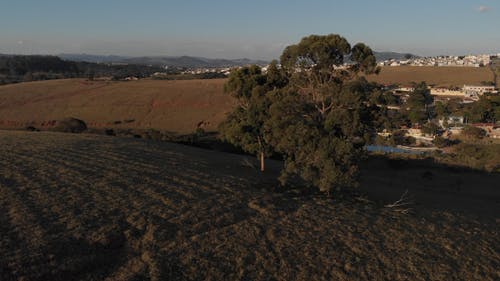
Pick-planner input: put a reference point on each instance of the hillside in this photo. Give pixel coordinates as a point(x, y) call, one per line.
point(22, 68)
point(182, 61)
point(177, 106)
point(438, 76)
point(382, 56)
point(191, 61)
point(85, 207)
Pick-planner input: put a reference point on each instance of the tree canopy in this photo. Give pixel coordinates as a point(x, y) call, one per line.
point(314, 110)
point(418, 102)
point(245, 126)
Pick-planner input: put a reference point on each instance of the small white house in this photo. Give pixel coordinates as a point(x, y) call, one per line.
point(452, 121)
point(476, 91)
point(446, 92)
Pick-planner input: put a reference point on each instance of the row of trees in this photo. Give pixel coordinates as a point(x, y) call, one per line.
point(486, 109)
point(30, 68)
point(420, 107)
point(314, 110)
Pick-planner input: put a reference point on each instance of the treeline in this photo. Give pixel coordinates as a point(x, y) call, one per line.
point(182, 76)
point(19, 68)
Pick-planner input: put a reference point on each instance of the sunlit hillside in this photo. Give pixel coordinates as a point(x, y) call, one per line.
point(177, 106)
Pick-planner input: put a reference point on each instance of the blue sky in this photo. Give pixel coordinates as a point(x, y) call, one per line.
point(257, 29)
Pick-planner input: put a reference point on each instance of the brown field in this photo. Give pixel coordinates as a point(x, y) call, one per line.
point(86, 207)
point(177, 106)
point(438, 76)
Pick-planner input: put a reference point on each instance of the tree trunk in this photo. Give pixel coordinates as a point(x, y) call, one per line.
point(262, 162)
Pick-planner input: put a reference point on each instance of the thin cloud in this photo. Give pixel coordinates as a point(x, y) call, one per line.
point(483, 9)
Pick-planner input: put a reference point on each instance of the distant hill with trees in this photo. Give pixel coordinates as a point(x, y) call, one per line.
point(382, 56)
point(21, 68)
point(194, 62)
point(182, 61)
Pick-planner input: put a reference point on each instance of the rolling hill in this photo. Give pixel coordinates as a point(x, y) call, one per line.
point(182, 61)
point(176, 106)
point(381, 56)
point(87, 207)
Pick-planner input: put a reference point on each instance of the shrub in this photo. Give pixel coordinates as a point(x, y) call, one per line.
point(400, 138)
point(70, 125)
point(200, 132)
point(441, 142)
point(477, 156)
point(430, 129)
point(473, 132)
point(109, 132)
point(380, 140)
point(153, 134)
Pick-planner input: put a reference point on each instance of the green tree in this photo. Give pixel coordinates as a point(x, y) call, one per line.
point(473, 132)
point(483, 110)
point(245, 126)
point(442, 110)
point(90, 74)
point(430, 128)
point(419, 102)
point(320, 121)
point(399, 138)
point(441, 142)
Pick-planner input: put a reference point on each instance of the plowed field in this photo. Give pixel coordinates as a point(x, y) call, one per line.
point(85, 207)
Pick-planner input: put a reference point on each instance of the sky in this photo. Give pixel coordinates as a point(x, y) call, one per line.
point(255, 29)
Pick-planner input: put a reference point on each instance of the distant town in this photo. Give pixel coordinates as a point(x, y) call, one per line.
point(480, 60)
point(466, 61)
point(450, 124)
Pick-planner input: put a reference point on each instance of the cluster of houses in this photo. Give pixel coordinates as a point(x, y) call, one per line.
point(468, 61)
point(468, 93)
point(449, 127)
point(452, 125)
point(224, 70)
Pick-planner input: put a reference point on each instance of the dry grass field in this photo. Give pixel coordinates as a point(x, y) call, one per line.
point(438, 76)
point(177, 106)
point(86, 207)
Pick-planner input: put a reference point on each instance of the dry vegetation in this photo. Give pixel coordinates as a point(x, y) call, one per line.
point(177, 106)
point(84, 207)
point(438, 76)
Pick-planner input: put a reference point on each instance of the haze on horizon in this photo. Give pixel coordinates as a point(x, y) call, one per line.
point(256, 29)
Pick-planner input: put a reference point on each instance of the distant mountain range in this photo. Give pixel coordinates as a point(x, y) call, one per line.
point(195, 62)
point(183, 61)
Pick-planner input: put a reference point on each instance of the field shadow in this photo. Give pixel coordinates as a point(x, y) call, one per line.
point(67, 259)
point(431, 185)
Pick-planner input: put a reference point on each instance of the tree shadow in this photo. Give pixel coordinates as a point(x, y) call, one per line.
point(431, 185)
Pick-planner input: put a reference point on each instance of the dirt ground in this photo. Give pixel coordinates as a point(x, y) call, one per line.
point(86, 207)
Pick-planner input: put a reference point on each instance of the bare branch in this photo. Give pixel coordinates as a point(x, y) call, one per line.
point(400, 204)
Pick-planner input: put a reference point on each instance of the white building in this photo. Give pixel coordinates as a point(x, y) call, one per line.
point(446, 92)
point(476, 91)
point(452, 121)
